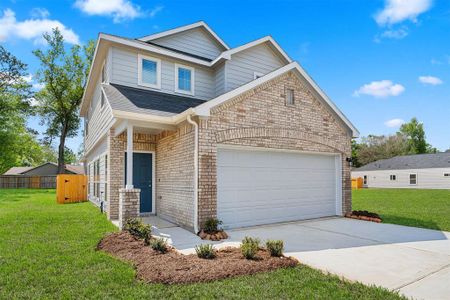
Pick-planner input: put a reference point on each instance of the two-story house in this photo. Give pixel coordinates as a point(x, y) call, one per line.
point(180, 125)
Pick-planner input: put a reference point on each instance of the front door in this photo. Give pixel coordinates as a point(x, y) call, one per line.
point(142, 178)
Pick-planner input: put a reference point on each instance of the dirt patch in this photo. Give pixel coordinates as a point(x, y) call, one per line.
point(173, 267)
point(364, 215)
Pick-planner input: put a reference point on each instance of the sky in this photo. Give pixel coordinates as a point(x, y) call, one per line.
point(381, 61)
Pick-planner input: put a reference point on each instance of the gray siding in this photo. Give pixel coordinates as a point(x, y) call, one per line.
point(240, 69)
point(125, 72)
point(196, 41)
point(100, 120)
point(220, 80)
point(432, 178)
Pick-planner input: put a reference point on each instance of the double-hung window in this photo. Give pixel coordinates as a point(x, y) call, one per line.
point(412, 179)
point(184, 79)
point(393, 177)
point(149, 71)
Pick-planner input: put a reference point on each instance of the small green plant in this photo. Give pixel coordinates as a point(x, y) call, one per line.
point(275, 247)
point(249, 247)
point(205, 251)
point(137, 228)
point(159, 244)
point(212, 225)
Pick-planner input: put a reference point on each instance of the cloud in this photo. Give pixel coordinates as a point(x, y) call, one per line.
point(39, 12)
point(396, 11)
point(394, 123)
point(156, 10)
point(430, 80)
point(119, 10)
point(32, 29)
point(435, 61)
point(380, 89)
point(36, 85)
point(395, 34)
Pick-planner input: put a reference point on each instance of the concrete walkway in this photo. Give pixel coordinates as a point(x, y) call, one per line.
point(411, 260)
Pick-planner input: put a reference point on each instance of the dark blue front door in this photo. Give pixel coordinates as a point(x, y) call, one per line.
point(142, 178)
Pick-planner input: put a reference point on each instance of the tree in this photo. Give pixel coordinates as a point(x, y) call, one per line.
point(64, 75)
point(17, 144)
point(415, 133)
point(375, 147)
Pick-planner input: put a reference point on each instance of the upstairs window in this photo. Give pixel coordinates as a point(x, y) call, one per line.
point(290, 97)
point(184, 79)
point(393, 177)
point(149, 71)
point(413, 179)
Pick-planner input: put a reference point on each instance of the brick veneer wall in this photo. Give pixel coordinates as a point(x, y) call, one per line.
point(116, 165)
point(175, 176)
point(260, 118)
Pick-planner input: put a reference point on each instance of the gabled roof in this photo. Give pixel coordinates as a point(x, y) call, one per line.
point(185, 28)
point(129, 99)
point(267, 39)
point(418, 161)
point(204, 109)
point(17, 170)
point(24, 170)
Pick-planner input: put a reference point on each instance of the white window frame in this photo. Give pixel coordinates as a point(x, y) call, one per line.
point(177, 90)
point(257, 75)
point(158, 71)
point(393, 177)
point(409, 178)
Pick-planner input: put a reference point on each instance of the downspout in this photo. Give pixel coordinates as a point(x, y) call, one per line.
point(190, 121)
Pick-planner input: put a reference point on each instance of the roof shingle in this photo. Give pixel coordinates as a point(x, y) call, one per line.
point(418, 161)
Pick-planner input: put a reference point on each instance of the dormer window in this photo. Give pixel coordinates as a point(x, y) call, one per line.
point(149, 71)
point(184, 79)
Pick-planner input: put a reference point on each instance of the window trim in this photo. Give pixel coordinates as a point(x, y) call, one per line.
point(257, 75)
point(177, 90)
point(286, 96)
point(417, 178)
point(158, 71)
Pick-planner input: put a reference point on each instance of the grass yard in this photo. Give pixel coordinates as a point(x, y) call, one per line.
point(411, 207)
point(48, 251)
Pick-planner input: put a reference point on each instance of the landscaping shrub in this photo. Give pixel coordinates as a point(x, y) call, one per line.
point(249, 247)
point(159, 244)
point(212, 225)
point(137, 228)
point(205, 251)
point(275, 247)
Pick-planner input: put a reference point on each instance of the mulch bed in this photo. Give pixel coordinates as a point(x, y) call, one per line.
point(173, 267)
point(364, 215)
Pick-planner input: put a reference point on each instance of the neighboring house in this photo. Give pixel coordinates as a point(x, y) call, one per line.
point(421, 171)
point(47, 169)
point(179, 125)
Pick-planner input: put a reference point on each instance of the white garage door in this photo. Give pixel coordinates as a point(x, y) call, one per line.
point(261, 187)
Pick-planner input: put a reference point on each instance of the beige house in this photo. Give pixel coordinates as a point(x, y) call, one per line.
point(179, 125)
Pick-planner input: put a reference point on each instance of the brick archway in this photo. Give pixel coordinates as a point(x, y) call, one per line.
point(264, 132)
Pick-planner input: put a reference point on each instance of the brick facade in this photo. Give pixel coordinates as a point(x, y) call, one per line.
point(129, 203)
point(261, 118)
point(175, 176)
point(257, 118)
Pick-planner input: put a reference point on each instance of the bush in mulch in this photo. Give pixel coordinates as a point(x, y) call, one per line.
point(211, 230)
point(364, 215)
point(173, 267)
point(136, 227)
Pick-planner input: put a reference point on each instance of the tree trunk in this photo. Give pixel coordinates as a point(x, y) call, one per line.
point(62, 144)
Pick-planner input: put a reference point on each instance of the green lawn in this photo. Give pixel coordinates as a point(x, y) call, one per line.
point(48, 251)
point(411, 207)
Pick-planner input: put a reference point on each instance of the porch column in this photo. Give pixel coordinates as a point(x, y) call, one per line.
point(129, 184)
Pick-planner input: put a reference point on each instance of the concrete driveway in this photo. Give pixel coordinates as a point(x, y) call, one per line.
point(411, 260)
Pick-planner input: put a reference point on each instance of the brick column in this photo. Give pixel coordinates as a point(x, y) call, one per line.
point(116, 173)
point(129, 204)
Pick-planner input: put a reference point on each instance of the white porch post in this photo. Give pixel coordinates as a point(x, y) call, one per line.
point(129, 184)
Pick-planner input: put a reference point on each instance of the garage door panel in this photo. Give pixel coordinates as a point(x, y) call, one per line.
point(262, 187)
